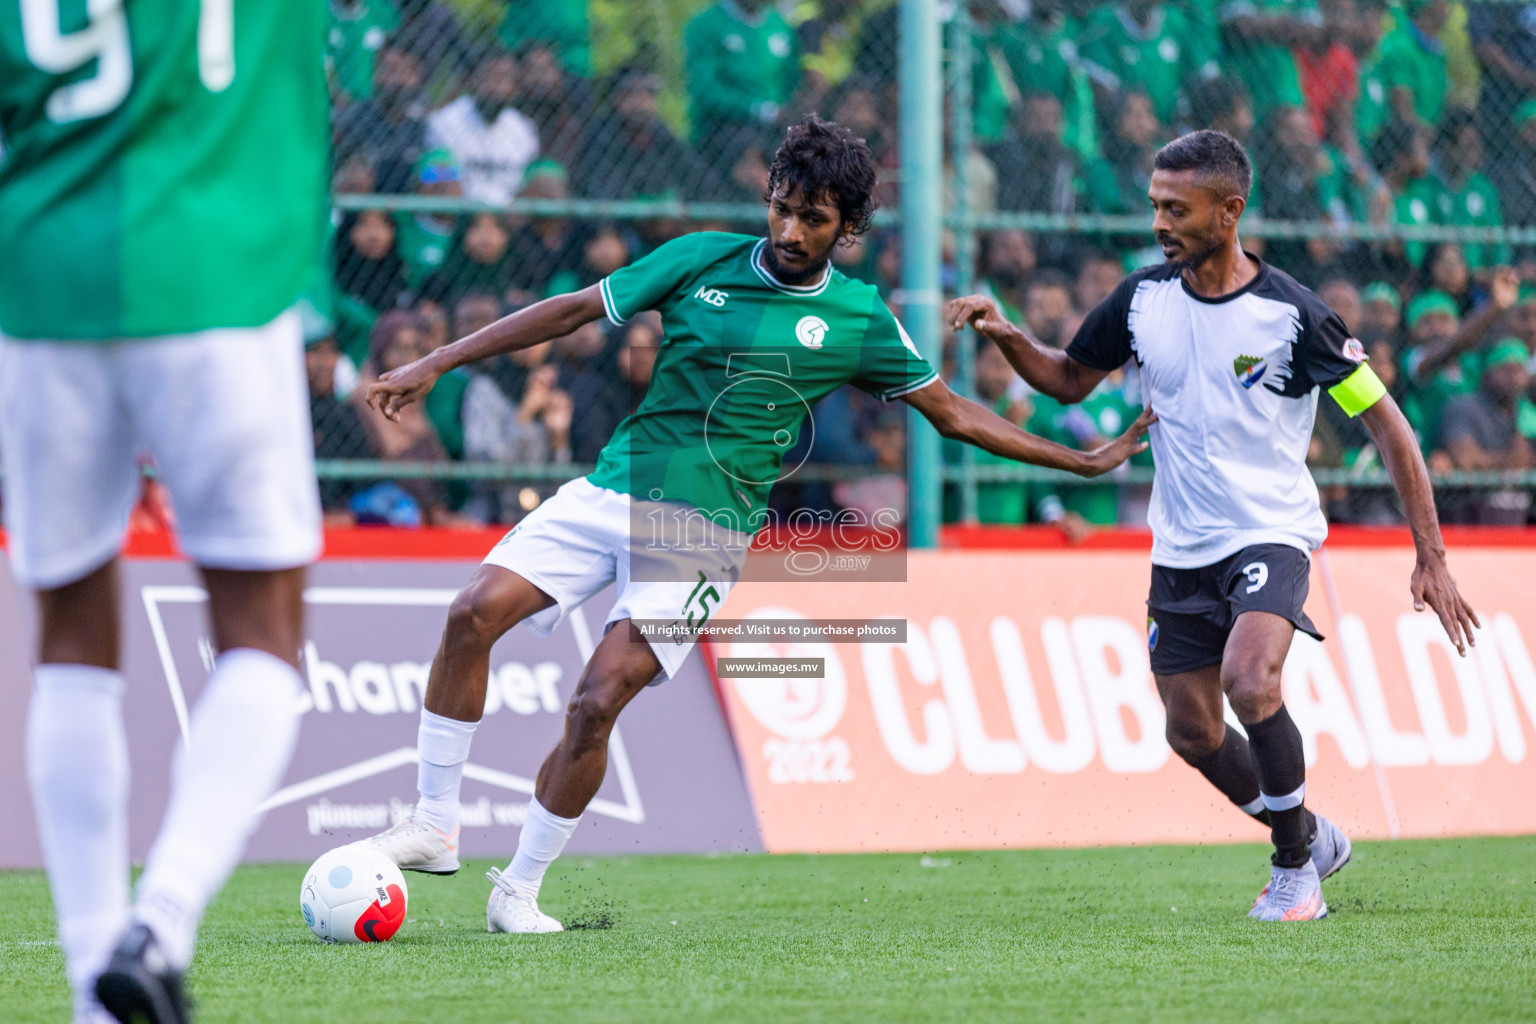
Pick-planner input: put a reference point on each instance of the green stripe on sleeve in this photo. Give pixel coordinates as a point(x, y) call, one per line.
point(1359, 391)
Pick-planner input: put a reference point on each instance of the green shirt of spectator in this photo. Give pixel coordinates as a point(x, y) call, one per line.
point(1525, 418)
point(743, 63)
point(992, 99)
point(1469, 198)
point(423, 239)
point(1424, 399)
point(560, 23)
point(444, 406)
point(358, 29)
point(1045, 58)
point(354, 322)
point(1408, 58)
point(1205, 23)
point(1000, 502)
point(1267, 68)
point(1160, 53)
point(1475, 205)
point(1338, 190)
point(1418, 203)
point(1100, 416)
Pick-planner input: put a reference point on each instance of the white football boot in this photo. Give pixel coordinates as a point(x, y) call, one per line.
point(1293, 894)
point(1331, 848)
point(515, 910)
point(417, 846)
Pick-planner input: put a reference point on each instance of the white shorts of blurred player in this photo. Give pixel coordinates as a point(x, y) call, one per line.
point(224, 414)
point(586, 537)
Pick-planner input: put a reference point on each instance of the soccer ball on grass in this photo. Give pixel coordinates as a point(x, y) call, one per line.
point(353, 894)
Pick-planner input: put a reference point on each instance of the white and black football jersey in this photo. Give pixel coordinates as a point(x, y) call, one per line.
point(1234, 381)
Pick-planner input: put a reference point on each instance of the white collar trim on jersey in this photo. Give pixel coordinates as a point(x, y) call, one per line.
point(788, 289)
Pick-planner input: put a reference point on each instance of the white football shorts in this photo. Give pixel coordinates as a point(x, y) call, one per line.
point(585, 537)
point(224, 414)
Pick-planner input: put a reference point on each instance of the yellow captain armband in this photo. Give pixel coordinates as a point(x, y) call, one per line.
point(1359, 391)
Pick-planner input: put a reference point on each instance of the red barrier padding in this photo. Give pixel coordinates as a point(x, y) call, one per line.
point(388, 543)
point(1014, 538)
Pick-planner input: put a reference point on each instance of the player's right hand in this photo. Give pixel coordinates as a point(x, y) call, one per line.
point(981, 313)
point(400, 387)
point(1106, 457)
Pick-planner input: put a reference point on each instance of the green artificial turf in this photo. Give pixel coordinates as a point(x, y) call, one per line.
point(1419, 931)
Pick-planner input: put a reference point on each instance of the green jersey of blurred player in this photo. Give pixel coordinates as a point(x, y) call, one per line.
point(162, 203)
point(757, 331)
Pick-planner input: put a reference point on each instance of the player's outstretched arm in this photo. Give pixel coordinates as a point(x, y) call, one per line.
point(543, 321)
point(965, 420)
point(1431, 583)
point(1048, 370)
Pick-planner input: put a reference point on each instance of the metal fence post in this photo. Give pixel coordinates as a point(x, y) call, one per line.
point(921, 169)
point(960, 59)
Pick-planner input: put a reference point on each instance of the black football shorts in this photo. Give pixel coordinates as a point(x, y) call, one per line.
point(1190, 612)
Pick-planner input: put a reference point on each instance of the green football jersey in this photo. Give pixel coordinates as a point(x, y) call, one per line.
point(1045, 58)
point(744, 360)
point(1475, 205)
point(1267, 69)
point(165, 167)
point(1163, 57)
point(357, 33)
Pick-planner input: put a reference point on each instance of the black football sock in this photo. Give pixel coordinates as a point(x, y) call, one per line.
point(1230, 769)
point(1277, 754)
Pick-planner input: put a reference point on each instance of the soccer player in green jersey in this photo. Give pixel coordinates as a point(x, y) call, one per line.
point(162, 205)
point(757, 331)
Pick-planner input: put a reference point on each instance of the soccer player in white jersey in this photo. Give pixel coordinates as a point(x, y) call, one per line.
point(707, 438)
point(1232, 353)
point(162, 206)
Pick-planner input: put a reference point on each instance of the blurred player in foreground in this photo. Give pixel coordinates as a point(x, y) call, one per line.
point(709, 437)
point(1232, 353)
point(162, 204)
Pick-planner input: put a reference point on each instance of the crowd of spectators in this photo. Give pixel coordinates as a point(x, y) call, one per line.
point(1356, 112)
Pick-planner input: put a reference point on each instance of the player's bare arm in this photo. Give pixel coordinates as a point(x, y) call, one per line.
point(552, 318)
point(1047, 370)
point(1431, 583)
point(964, 420)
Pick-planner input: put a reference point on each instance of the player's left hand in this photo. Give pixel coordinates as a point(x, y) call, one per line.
point(1432, 585)
point(400, 387)
point(1106, 457)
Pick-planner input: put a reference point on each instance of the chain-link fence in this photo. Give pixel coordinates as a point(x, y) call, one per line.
point(493, 152)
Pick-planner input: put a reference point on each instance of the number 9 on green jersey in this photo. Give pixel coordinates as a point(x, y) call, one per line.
point(164, 167)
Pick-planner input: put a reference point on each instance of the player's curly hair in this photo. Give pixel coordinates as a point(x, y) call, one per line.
point(827, 163)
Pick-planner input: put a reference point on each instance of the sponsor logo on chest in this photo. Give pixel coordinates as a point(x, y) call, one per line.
point(711, 296)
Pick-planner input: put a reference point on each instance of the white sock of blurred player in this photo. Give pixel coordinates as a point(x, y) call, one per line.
point(544, 835)
point(442, 744)
point(242, 735)
point(77, 764)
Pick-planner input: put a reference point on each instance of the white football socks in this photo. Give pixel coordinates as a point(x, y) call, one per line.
point(242, 735)
point(77, 764)
point(544, 836)
point(442, 746)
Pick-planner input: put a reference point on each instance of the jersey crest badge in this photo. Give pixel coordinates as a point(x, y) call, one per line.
point(810, 331)
point(1249, 370)
point(1353, 350)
